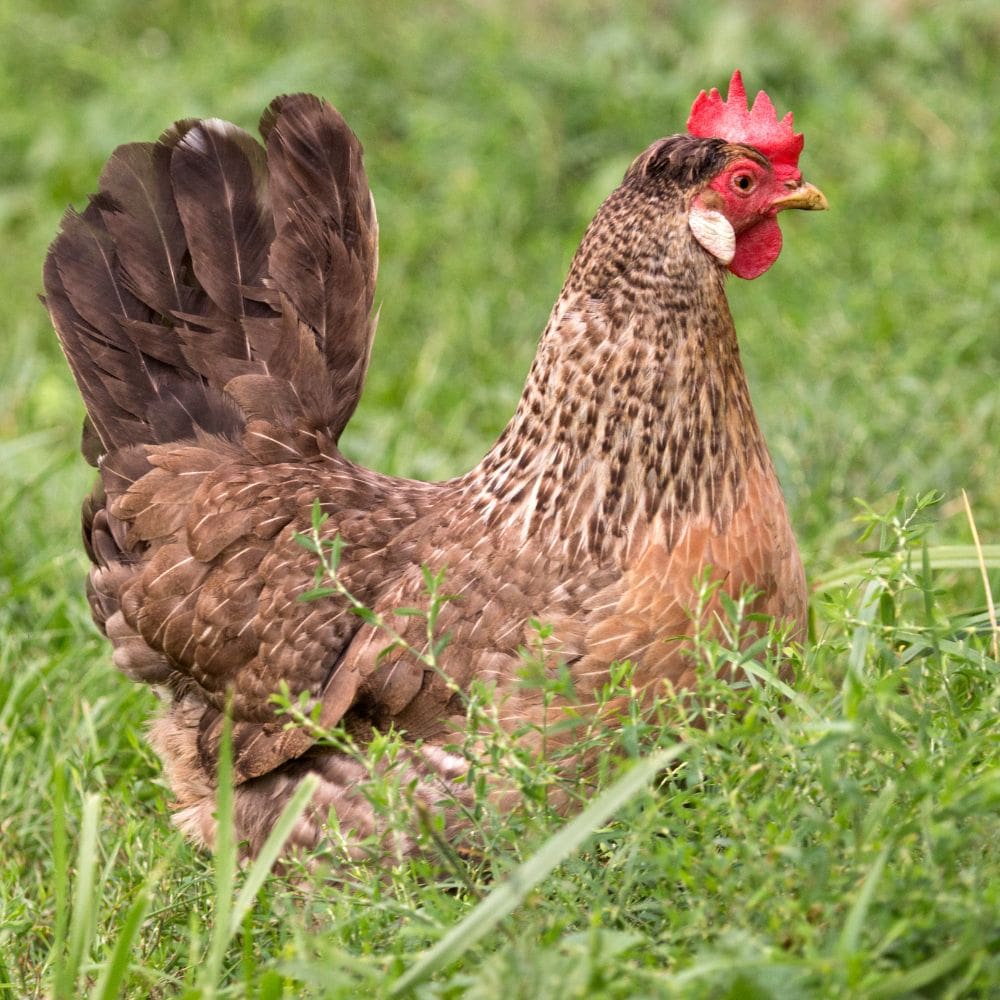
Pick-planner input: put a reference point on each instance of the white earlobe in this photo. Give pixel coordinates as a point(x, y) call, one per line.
point(714, 232)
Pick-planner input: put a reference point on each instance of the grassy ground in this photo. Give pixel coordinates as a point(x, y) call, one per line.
point(843, 843)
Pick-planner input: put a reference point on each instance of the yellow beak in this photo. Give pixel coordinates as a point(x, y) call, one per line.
point(805, 196)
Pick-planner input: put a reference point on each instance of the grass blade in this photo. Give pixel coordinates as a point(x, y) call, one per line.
point(229, 912)
point(60, 871)
point(81, 928)
point(984, 573)
point(771, 679)
point(908, 982)
point(225, 863)
point(509, 894)
point(269, 852)
point(940, 557)
point(850, 935)
point(109, 984)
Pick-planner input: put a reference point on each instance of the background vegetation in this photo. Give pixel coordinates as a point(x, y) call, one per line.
point(844, 847)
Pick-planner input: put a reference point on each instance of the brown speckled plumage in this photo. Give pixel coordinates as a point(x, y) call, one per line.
point(214, 301)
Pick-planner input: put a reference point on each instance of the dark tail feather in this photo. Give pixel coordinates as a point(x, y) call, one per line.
point(137, 207)
point(324, 257)
point(219, 180)
point(88, 302)
point(130, 394)
point(206, 268)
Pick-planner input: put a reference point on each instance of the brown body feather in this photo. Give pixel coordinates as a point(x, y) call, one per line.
point(214, 302)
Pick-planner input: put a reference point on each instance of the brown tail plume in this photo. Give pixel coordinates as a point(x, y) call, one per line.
point(212, 280)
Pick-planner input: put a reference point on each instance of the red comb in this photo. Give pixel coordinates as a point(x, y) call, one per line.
point(713, 118)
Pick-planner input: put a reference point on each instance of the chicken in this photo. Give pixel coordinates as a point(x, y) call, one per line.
point(214, 302)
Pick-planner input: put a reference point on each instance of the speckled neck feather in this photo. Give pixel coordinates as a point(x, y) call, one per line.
point(636, 406)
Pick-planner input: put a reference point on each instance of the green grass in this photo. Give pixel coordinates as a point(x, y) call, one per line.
point(841, 842)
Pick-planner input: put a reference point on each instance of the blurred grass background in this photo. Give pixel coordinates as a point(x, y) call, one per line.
point(493, 130)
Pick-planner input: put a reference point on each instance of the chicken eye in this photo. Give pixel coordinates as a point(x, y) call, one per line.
point(744, 183)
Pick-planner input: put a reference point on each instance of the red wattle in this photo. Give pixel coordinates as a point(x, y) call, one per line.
point(757, 248)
